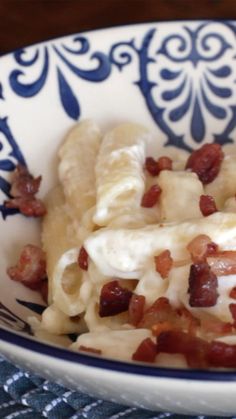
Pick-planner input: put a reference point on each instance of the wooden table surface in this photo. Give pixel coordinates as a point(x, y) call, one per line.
point(23, 22)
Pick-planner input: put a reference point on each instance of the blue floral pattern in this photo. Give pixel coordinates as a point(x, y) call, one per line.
point(191, 81)
point(186, 76)
point(183, 77)
point(208, 86)
point(10, 156)
point(69, 101)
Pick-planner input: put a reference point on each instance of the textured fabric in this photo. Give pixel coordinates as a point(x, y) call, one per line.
point(27, 396)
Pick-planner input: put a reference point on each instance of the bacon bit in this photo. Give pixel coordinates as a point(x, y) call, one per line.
point(160, 311)
point(201, 247)
point(146, 351)
point(202, 286)
point(151, 166)
point(232, 308)
point(164, 163)
point(213, 325)
point(225, 328)
point(223, 262)
point(232, 293)
point(161, 327)
point(151, 197)
point(83, 259)
point(197, 352)
point(155, 167)
point(23, 183)
point(162, 314)
point(28, 207)
point(193, 348)
point(136, 308)
point(212, 249)
point(163, 263)
point(222, 355)
point(90, 350)
point(23, 190)
point(206, 162)
point(207, 205)
point(113, 299)
point(31, 267)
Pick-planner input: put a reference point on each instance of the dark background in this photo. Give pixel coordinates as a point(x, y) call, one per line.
point(24, 22)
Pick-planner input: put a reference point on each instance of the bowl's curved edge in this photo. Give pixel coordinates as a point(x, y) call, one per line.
point(128, 25)
point(118, 366)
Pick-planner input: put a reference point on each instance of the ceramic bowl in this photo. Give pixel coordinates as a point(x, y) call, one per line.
point(176, 78)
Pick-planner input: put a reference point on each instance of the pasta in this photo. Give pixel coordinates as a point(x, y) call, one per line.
point(76, 167)
point(69, 219)
point(113, 259)
point(141, 252)
point(191, 189)
point(57, 233)
point(119, 177)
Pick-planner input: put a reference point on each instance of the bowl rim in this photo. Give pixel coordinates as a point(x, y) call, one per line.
point(93, 361)
point(117, 26)
point(89, 360)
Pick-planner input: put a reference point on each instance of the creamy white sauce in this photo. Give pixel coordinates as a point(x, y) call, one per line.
point(127, 253)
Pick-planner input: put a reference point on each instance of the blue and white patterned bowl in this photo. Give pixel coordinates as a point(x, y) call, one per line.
point(178, 79)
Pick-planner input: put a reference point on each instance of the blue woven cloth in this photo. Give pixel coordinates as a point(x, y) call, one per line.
point(27, 396)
